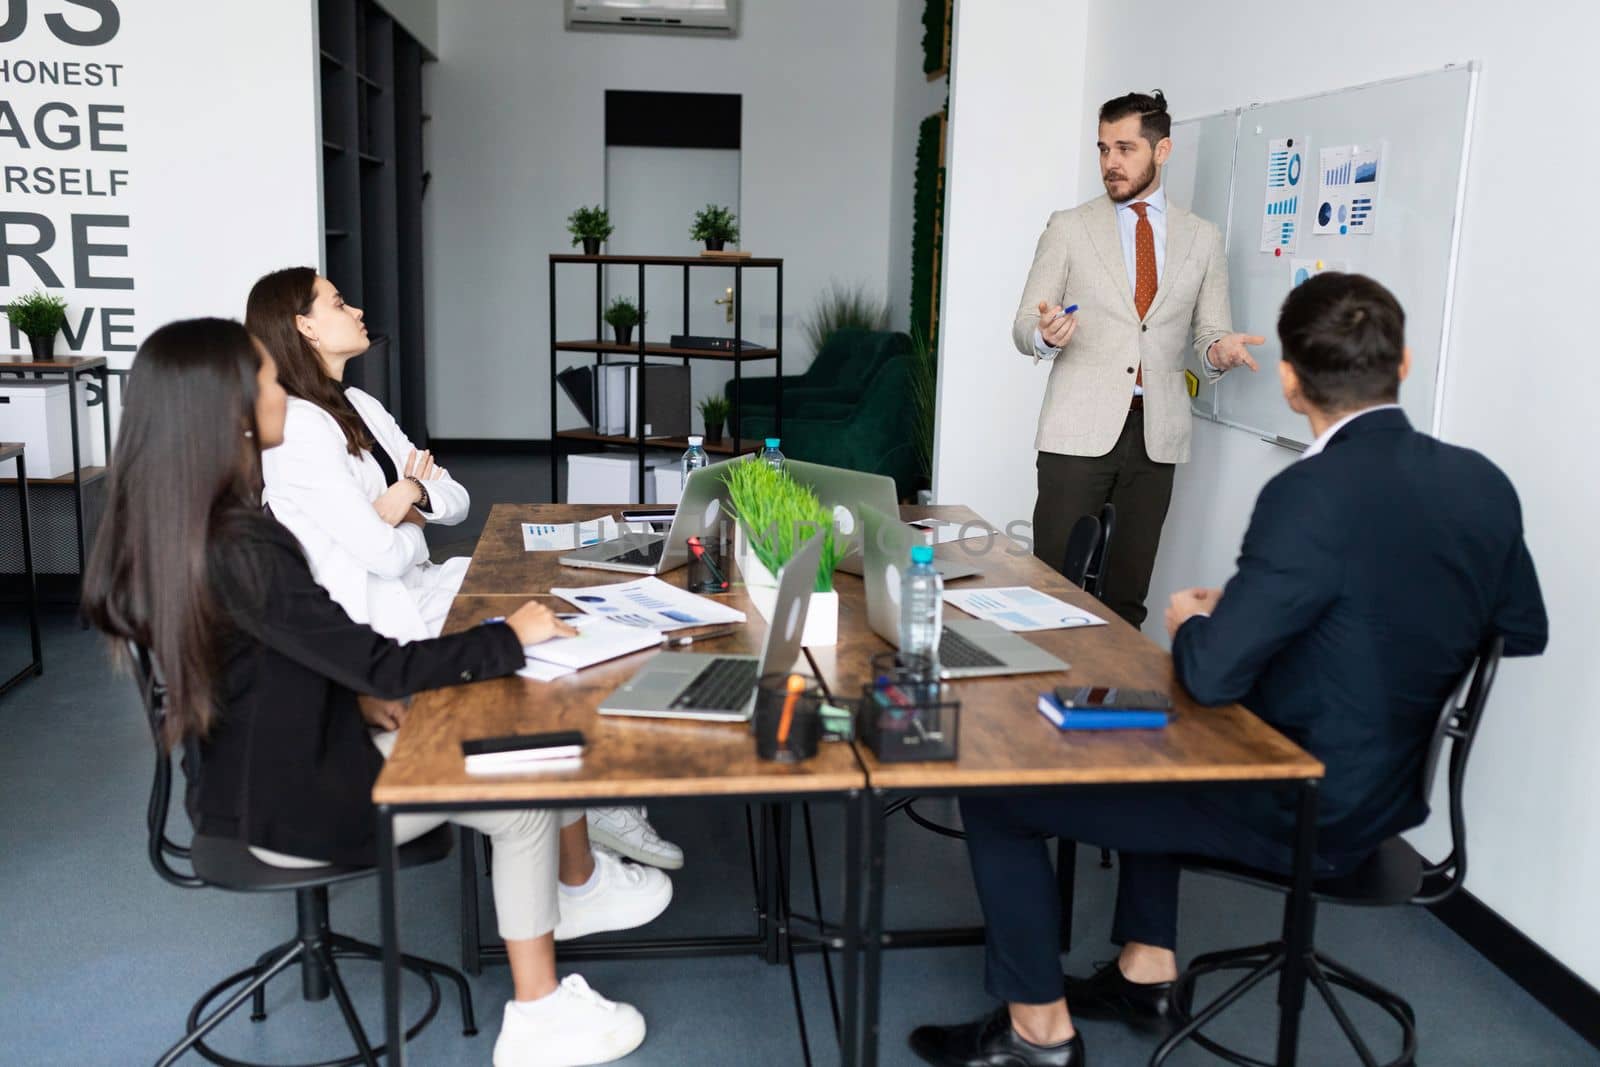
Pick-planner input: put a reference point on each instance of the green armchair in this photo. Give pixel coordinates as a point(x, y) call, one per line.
point(871, 432)
point(839, 373)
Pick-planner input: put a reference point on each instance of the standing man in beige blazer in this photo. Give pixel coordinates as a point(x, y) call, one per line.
point(1147, 279)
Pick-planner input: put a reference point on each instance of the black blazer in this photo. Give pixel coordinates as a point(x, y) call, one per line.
point(289, 764)
point(1369, 577)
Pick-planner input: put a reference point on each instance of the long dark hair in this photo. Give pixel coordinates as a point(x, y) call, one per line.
point(269, 314)
point(184, 472)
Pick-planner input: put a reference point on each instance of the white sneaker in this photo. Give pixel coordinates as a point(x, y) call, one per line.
point(626, 896)
point(627, 831)
point(571, 1027)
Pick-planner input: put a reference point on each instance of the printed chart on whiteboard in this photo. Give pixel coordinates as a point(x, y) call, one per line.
point(1347, 196)
point(1280, 208)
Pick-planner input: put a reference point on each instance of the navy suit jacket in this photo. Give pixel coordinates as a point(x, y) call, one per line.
point(1370, 576)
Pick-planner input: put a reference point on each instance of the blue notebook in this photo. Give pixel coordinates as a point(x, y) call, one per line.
point(1106, 719)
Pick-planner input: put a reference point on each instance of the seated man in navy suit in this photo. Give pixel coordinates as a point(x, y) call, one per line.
point(1372, 572)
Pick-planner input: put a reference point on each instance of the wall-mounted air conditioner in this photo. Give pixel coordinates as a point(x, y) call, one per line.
point(719, 18)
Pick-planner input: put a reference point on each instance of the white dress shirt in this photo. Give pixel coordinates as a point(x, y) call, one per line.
point(1127, 223)
point(1327, 435)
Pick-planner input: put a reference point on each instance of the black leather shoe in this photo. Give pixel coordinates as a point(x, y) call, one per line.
point(990, 1042)
point(1109, 995)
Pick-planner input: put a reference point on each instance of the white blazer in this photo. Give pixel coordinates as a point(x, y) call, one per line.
point(324, 495)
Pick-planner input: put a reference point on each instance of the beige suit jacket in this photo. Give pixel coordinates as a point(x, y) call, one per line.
point(1079, 261)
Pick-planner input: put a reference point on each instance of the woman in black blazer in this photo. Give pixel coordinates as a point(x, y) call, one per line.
point(263, 669)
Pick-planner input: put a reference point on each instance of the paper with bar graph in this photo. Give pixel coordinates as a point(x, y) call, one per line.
point(1347, 190)
point(1280, 209)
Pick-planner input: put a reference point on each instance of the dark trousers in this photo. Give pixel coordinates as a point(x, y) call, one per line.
point(1071, 487)
point(1006, 843)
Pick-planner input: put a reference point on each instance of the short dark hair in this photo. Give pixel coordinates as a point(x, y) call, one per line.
point(1344, 335)
point(1154, 122)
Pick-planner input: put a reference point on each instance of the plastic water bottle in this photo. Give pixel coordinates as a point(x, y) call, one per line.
point(921, 606)
point(771, 456)
point(694, 457)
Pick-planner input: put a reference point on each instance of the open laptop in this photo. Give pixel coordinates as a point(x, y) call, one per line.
point(722, 688)
point(968, 648)
point(656, 553)
point(848, 493)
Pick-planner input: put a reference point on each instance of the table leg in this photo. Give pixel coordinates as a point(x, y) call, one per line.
point(105, 409)
point(849, 1038)
point(77, 464)
point(1297, 922)
point(872, 968)
point(27, 565)
point(389, 935)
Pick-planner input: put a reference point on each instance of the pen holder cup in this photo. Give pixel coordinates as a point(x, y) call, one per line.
point(907, 713)
point(804, 729)
point(708, 573)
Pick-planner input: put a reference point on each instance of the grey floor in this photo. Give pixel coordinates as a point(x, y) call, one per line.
point(100, 960)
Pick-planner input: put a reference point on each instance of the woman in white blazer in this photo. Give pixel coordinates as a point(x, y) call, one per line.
point(356, 493)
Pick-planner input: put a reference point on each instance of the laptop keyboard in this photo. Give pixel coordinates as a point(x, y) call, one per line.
point(724, 685)
point(647, 556)
point(957, 651)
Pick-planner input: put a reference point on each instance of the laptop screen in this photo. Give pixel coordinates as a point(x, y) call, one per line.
point(788, 620)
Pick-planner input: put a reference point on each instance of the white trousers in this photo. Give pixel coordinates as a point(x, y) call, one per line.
point(526, 858)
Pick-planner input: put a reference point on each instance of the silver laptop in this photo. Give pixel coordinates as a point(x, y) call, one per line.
point(848, 493)
point(968, 648)
point(657, 553)
point(722, 688)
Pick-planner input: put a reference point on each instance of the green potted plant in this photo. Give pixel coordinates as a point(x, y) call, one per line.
point(715, 226)
point(924, 389)
point(845, 307)
point(622, 316)
point(590, 226)
point(714, 410)
point(40, 316)
point(775, 516)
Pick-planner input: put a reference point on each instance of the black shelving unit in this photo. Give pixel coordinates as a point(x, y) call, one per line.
point(642, 349)
point(373, 181)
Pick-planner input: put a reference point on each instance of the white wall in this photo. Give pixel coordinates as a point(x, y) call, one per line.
point(221, 159)
point(1004, 176)
point(915, 98)
point(1520, 364)
point(517, 142)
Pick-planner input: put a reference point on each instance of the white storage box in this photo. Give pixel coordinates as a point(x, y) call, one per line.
point(35, 413)
point(666, 483)
point(613, 479)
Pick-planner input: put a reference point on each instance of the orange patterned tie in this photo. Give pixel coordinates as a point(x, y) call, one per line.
point(1144, 267)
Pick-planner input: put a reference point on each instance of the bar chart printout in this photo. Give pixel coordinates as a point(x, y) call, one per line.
point(1280, 211)
point(1348, 192)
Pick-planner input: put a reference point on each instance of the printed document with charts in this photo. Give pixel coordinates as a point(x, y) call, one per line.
point(1019, 608)
point(651, 603)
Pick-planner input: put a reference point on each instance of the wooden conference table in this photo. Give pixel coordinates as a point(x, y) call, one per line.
point(1004, 744)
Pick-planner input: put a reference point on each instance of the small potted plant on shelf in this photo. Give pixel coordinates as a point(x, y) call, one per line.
point(622, 316)
point(714, 410)
point(775, 516)
point(40, 316)
point(715, 226)
point(590, 226)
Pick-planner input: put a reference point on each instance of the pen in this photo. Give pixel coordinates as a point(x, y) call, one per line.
point(1063, 313)
point(682, 642)
point(493, 619)
point(796, 685)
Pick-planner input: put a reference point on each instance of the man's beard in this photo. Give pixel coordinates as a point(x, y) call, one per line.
point(1138, 188)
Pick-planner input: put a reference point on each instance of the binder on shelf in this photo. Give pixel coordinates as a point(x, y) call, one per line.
point(613, 399)
point(578, 384)
point(666, 401)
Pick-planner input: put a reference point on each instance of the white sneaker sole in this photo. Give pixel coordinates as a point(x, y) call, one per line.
point(648, 910)
point(541, 1059)
point(623, 847)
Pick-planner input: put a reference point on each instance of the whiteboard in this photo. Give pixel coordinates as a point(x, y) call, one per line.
point(1420, 128)
point(1199, 175)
